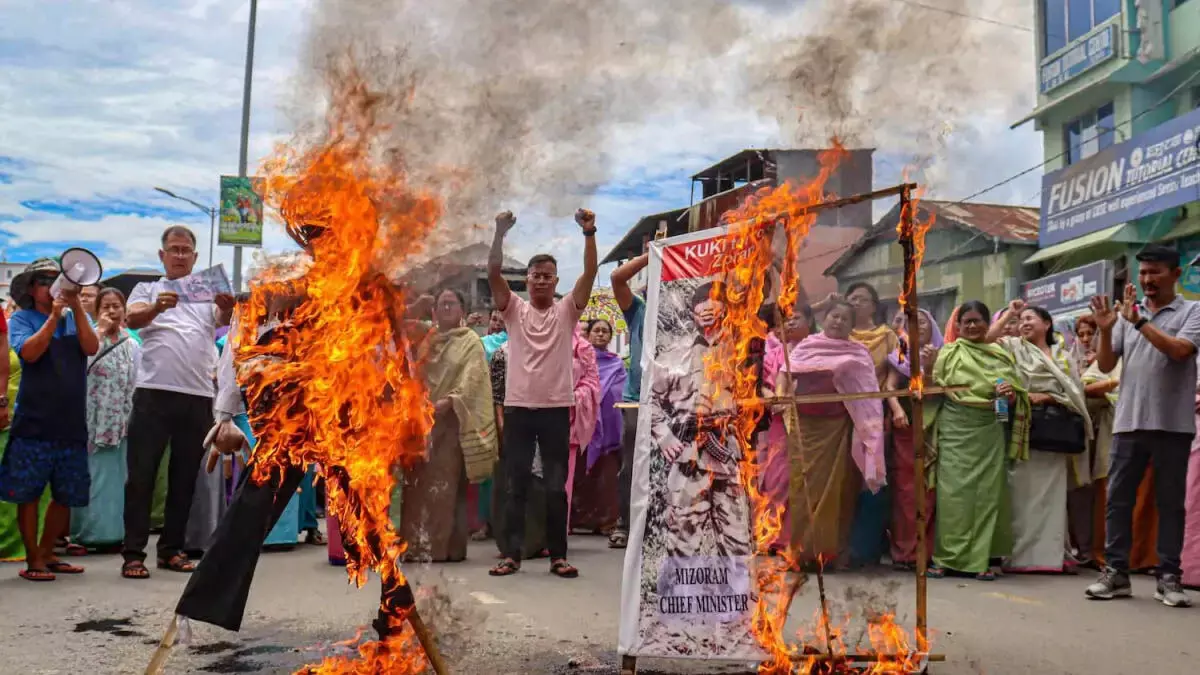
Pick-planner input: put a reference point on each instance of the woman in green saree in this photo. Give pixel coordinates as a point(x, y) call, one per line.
point(971, 448)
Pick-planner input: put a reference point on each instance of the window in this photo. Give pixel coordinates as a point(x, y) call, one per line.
point(1090, 133)
point(1065, 21)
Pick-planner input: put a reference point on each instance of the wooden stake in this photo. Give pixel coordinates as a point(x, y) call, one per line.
point(917, 423)
point(164, 648)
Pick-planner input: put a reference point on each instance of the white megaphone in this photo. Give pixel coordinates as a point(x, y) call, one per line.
point(80, 267)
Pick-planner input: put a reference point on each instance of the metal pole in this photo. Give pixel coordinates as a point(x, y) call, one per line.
point(242, 154)
point(917, 423)
point(212, 232)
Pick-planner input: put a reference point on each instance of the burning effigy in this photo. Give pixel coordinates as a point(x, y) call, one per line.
point(329, 378)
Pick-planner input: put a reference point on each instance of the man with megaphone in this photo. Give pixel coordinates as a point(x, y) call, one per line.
point(53, 337)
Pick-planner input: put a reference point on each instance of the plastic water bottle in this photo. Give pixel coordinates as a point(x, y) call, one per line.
point(1001, 406)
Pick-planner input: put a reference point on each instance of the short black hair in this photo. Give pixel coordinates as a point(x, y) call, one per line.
point(542, 258)
point(842, 302)
point(876, 316)
point(591, 323)
point(179, 230)
point(1159, 254)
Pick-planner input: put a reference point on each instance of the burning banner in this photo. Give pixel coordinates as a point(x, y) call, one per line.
point(688, 589)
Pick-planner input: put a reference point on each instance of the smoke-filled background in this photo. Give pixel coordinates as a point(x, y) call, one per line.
point(541, 106)
point(519, 103)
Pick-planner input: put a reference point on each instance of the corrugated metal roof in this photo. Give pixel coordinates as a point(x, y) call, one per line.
point(1009, 223)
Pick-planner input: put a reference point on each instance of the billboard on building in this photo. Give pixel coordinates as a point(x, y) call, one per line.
point(1084, 55)
point(1067, 295)
point(1151, 172)
point(241, 213)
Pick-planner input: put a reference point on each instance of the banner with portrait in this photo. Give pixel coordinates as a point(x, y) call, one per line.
point(688, 584)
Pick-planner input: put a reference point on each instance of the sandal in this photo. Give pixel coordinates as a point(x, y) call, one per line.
point(904, 566)
point(506, 567)
point(60, 567)
point(134, 569)
point(562, 568)
point(986, 576)
point(36, 575)
point(314, 537)
point(177, 563)
point(618, 539)
point(936, 573)
point(75, 550)
point(480, 535)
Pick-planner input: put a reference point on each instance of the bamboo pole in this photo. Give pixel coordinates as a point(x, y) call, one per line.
point(835, 398)
point(917, 423)
point(159, 659)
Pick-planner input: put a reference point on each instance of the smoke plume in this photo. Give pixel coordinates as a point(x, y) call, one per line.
point(495, 103)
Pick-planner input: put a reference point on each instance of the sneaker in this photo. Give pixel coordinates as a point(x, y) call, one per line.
point(1111, 584)
point(1170, 592)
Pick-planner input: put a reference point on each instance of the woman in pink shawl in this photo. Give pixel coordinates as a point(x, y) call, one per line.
point(840, 444)
point(587, 405)
point(595, 507)
point(1191, 534)
point(903, 486)
point(773, 473)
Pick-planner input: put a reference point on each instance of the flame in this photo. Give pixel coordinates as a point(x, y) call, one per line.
point(912, 228)
point(742, 291)
point(338, 387)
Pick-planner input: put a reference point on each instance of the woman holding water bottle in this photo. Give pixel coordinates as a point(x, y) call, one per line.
point(975, 434)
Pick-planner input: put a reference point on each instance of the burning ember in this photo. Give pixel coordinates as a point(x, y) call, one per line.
point(910, 229)
point(742, 291)
point(341, 390)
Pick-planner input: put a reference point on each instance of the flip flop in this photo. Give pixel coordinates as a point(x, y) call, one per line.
point(36, 575)
point(506, 567)
point(562, 568)
point(60, 567)
point(75, 550)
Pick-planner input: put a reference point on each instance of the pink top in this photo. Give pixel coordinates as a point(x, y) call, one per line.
point(540, 353)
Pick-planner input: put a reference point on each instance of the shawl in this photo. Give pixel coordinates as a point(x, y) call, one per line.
point(880, 342)
point(774, 355)
point(609, 424)
point(1093, 374)
point(587, 392)
point(493, 342)
point(978, 365)
point(1041, 375)
point(111, 376)
point(853, 372)
point(899, 358)
point(951, 332)
point(455, 368)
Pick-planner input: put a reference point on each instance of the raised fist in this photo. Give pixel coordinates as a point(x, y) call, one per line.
point(586, 220)
point(505, 221)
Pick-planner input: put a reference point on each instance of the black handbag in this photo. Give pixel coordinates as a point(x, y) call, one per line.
point(1054, 428)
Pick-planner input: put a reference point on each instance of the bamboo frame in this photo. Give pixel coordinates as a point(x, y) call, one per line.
point(836, 398)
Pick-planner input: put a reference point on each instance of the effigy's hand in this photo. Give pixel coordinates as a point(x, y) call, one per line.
point(226, 438)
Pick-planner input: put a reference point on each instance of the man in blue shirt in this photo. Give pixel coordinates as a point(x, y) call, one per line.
point(48, 438)
point(634, 309)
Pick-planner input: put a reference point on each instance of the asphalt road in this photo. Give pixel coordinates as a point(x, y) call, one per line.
point(536, 623)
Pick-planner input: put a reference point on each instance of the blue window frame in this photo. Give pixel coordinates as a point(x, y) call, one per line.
point(1064, 21)
point(1089, 133)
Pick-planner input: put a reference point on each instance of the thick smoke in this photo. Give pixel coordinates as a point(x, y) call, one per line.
point(517, 101)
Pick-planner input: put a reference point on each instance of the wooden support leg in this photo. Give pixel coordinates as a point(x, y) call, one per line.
point(628, 665)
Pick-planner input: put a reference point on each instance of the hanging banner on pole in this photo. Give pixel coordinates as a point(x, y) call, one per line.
point(688, 586)
point(241, 213)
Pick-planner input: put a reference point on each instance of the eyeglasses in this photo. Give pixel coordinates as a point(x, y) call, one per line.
point(44, 281)
point(180, 252)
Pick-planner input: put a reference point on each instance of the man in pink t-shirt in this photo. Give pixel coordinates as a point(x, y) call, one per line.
point(539, 389)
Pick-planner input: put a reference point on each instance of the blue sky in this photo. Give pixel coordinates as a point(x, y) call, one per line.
point(104, 102)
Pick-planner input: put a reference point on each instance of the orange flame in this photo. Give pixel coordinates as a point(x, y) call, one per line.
point(912, 229)
point(742, 293)
point(340, 390)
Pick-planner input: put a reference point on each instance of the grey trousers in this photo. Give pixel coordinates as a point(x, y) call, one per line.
point(625, 475)
point(1132, 452)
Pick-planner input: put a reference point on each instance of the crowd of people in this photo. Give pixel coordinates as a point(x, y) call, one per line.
point(1049, 453)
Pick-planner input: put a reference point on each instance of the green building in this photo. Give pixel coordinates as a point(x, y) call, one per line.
point(1119, 111)
point(972, 252)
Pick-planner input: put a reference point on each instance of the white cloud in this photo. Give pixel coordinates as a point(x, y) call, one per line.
point(112, 98)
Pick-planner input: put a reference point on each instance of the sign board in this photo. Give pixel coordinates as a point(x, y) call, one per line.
point(1094, 50)
point(241, 213)
point(1151, 172)
point(1067, 292)
point(688, 589)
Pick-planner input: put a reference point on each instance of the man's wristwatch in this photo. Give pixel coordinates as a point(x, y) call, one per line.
point(589, 233)
point(1137, 325)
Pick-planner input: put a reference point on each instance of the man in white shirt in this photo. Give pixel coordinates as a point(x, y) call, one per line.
point(172, 403)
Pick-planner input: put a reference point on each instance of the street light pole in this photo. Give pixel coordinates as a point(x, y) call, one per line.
point(212, 218)
point(242, 155)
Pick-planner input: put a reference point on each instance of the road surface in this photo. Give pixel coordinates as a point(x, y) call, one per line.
point(537, 623)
